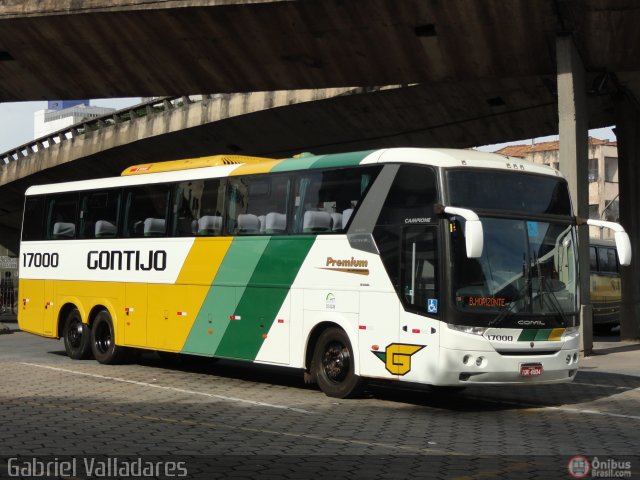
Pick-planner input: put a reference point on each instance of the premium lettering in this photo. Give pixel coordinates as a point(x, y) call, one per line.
point(127, 260)
point(352, 262)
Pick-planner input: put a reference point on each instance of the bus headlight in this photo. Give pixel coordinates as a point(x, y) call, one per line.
point(570, 332)
point(467, 329)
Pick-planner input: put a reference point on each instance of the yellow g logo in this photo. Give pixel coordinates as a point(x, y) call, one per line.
point(397, 357)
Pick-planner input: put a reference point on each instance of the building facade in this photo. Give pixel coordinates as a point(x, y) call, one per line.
point(63, 114)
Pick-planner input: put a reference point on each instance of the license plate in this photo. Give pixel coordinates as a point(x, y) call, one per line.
point(531, 370)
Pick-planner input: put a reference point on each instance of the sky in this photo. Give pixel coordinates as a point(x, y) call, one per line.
point(16, 123)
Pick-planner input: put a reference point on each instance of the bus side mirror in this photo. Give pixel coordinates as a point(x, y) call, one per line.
point(623, 244)
point(473, 233)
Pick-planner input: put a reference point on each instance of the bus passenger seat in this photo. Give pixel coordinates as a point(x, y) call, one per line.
point(248, 223)
point(209, 225)
point(316, 222)
point(105, 229)
point(275, 223)
point(346, 215)
point(64, 230)
point(154, 227)
point(336, 222)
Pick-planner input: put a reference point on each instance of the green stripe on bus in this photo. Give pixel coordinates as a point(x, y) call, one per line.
point(535, 334)
point(296, 164)
point(222, 299)
point(342, 159)
point(543, 334)
point(264, 296)
point(527, 335)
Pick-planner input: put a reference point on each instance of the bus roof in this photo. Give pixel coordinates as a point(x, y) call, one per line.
point(234, 165)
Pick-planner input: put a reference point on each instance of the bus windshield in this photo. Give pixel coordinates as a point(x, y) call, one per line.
point(527, 267)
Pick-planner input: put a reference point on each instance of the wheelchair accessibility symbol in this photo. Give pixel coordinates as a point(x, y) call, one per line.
point(432, 305)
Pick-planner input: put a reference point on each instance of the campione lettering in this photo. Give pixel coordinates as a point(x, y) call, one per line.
point(128, 260)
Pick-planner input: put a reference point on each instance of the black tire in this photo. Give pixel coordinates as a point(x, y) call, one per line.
point(77, 336)
point(333, 365)
point(103, 343)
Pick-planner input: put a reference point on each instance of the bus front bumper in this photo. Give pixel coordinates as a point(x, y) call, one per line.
point(466, 367)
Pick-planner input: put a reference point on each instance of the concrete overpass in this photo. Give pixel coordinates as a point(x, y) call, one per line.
point(486, 70)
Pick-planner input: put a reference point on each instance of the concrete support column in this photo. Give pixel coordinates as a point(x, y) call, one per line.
point(628, 135)
point(574, 163)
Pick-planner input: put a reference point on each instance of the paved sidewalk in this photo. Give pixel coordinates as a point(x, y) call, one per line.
point(614, 356)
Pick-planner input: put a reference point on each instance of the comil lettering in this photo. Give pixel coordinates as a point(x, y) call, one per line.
point(332, 262)
point(127, 260)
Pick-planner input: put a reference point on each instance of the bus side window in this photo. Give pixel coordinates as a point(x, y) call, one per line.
point(593, 259)
point(607, 260)
point(325, 200)
point(99, 214)
point(257, 205)
point(62, 216)
point(146, 211)
point(197, 208)
point(33, 217)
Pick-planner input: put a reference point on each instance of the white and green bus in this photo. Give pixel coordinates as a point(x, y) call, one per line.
point(432, 266)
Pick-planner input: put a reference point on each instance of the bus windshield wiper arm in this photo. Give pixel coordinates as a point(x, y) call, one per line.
point(553, 300)
point(508, 311)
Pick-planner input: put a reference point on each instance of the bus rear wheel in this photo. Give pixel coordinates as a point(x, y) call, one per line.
point(103, 343)
point(333, 365)
point(77, 336)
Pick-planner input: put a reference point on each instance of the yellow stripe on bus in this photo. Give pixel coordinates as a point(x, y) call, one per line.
point(556, 334)
point(203, 261)
point(171, 319)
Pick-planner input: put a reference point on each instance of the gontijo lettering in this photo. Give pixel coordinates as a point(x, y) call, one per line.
point(126, 260)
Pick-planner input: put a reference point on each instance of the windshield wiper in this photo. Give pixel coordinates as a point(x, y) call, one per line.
point(553, 300)
point(508, 311)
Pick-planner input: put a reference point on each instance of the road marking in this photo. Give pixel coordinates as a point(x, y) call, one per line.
point(173, 389)
point(533, 406)
point(593, 412)
point(601, 385)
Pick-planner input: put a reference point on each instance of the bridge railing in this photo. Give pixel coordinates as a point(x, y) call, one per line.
point(157, 105)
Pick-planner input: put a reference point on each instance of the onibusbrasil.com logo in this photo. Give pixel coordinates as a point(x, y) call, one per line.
point(580, 466)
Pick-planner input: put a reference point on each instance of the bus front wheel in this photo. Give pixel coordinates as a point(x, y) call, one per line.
point(103, 342)
point(77, 336)
point(333, 365)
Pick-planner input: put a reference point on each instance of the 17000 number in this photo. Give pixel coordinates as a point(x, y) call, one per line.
point(40, 260)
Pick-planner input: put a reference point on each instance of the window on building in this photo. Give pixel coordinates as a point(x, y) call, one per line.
point(593, 211)
point(612, 211)
point(593, 169)
point(611, 169)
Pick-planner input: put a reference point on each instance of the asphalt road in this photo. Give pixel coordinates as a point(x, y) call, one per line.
point(235, 420)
